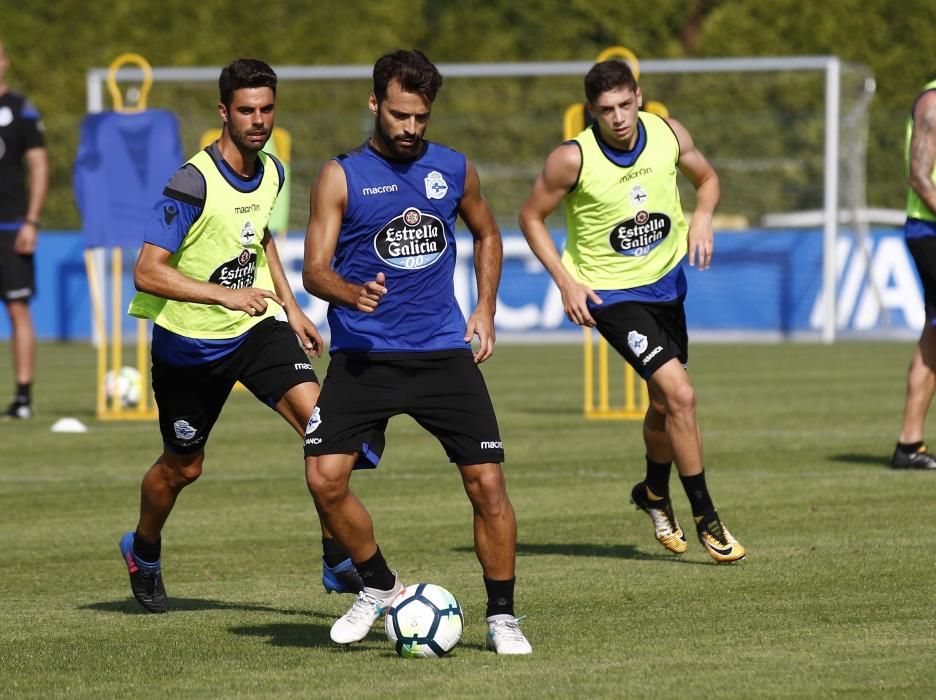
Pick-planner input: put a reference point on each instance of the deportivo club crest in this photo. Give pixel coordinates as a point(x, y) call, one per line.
point(314, 421)
point(411, 241)
point(637, 342)
point(638, 195)
point(248, 233)
point(436, 186)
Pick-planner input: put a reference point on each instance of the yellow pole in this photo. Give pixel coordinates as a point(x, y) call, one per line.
point(589, 371)
point(143, 406)
point(116, 313)
point(602, 374)
point(100, 328)
point(629, 380)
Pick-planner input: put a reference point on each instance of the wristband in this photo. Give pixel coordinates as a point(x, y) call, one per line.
point(32, 222)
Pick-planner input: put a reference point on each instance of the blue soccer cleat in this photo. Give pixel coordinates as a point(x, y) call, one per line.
point(341, 578)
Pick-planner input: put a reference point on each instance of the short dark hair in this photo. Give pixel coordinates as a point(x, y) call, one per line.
point(608, 75)
point(244, 73)
point(411, 69)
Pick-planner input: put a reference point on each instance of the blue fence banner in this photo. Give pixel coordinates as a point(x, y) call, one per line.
point(763, 284)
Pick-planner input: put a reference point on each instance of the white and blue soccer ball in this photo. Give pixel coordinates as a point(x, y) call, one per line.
point(424, 621)
point(124, 387)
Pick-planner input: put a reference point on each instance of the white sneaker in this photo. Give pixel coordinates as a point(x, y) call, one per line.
point(371, 603)
point(504, 635)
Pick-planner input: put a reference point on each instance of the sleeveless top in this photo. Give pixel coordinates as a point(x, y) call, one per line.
point(400, 220)
point(916, 207)
point(222, 246)
point(624, 218)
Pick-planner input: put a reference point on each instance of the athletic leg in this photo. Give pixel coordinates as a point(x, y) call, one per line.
point(346, 517)
point(23, 347)
point(140, 549)
point(911, 452)
point(495, 537)
point(338, 573)
point(652, 494)
point(921, 386)
point(495, 525)
point(24, 341)
point(161, 486)
point(671, 384)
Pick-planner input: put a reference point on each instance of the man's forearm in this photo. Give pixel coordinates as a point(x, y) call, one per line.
point(38, 164)
point(327, 284)
point(489, 261)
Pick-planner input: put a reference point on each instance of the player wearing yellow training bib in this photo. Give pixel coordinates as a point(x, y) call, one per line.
point(625, 222)
point(210, 279)
point(920, 233)
point(621, 272)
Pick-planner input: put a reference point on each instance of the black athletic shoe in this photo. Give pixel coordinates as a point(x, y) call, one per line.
point(18, 410)
point(921, 459)
point(145, 578)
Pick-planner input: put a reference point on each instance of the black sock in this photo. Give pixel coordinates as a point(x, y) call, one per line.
point(375, 573)
point(500, 596)
point(148, 552)
point(23, 393)
point(657, 480)
point(698, 494)
point(909, 448)
point(332, 552)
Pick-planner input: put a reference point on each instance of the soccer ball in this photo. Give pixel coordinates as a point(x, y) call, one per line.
point(424, 621)
point(124, 387)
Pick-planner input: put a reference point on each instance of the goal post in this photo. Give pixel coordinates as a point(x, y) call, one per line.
point(785, 134)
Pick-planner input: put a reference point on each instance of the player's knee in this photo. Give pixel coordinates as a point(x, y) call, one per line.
point(486, 486)
point(327, 485)
point(681, 399)
point(183, 469)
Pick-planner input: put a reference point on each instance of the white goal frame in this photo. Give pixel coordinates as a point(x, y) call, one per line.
point(830, 66)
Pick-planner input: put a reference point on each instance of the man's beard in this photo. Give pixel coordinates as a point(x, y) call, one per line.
point(241, 141)
point(398, 151)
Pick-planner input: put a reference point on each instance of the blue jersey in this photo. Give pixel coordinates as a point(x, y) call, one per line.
point(400, 220)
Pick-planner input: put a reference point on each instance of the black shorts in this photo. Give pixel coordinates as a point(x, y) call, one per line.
point(269, 363)
point(445, 393)
point(17, 272)
point(647, 335)
point(923, 251)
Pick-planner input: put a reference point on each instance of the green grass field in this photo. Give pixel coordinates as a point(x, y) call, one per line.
point(835, 597)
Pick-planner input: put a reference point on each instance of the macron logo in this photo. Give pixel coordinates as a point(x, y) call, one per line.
point(493, 445)
point(380, 189)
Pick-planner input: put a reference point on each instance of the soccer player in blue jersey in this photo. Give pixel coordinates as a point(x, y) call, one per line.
point(380, 248)
point(210, 279)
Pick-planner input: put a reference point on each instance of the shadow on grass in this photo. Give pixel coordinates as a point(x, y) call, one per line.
point(291, 634)
point(610, 551)
point(297, 635)
point(131, 607)
point(851, 458)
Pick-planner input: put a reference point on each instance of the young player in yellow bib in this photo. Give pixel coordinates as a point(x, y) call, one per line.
point(622, 273)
